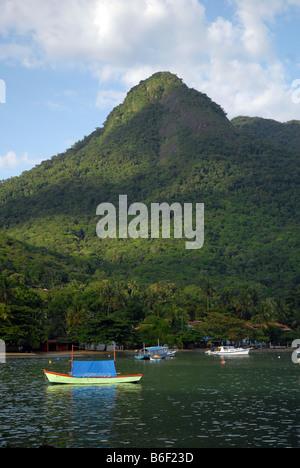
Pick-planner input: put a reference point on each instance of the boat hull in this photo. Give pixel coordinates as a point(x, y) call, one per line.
point(148, 353)
point(243, 352)
point(156, 357)
point(65, 379)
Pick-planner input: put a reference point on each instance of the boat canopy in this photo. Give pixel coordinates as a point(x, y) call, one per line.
point(94, 369)
point(155, 348)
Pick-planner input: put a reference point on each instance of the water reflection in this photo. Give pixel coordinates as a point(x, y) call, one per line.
point(80, 412)
point(86, 411)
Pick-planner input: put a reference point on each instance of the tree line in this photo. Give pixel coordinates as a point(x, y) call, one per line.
point(131, 313)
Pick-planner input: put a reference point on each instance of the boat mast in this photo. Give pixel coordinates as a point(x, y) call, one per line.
point(72, 361)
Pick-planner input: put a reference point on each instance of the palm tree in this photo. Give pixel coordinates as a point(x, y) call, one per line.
point(209, 293)
point(266, 313)
point(244, 302)
point(5, 313)
point(6, 290)
point(134, 290)
point(227, 299)
point(177, 317)
point(107, 294)
point(76, 313)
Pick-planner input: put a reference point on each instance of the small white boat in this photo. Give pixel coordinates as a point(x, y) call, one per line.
point(172, 352)
point(228, 351)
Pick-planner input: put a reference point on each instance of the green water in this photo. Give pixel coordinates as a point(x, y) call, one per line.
point(191, 401)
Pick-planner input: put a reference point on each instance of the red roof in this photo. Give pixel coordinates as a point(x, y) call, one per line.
point(257, 325)
point(195, 322)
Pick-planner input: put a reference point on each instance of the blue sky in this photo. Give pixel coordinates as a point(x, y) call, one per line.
point(64, 64)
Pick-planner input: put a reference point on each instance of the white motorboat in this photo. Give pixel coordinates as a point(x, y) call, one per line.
point(172, 352)
point(228, 351)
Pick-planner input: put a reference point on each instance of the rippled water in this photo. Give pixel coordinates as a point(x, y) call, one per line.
point(192, 401)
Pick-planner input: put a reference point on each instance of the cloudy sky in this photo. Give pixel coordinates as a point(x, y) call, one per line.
point(64, 64)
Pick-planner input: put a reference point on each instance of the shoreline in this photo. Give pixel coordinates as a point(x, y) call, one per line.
point(103, 353)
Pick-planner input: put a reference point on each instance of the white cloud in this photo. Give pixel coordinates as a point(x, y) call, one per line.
point(255, 17)
point(107, 31)
point(121, 42)
point(11, 160)
point(107, 99)
point(20, 53)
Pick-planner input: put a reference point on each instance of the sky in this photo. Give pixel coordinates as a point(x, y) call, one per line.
point(65, 64)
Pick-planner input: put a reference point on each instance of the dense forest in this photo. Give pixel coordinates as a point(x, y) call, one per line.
point(131, 314)
point(164, 143)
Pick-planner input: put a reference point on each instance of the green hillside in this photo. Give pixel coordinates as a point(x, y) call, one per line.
point(164, 143)
point(286, 134)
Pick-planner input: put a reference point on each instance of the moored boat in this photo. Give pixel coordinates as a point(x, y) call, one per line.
point(149, 352)
point(228, 351)
point(155, 357)
point(91, 373)
point(172, 352)
point(56, 378)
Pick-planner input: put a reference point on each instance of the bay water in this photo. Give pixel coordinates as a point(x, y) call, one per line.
point(191, 401)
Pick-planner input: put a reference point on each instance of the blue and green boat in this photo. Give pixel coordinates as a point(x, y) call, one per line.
point(152, 353)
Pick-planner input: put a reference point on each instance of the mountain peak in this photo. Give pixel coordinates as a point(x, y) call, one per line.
point(158, 85)
point(176, 105)
point(150, 91)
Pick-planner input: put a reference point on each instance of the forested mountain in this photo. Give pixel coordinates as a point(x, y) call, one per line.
point(286, 134)
point(164, 143)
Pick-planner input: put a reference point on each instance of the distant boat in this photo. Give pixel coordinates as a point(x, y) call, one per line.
point(228, 351)
point(91, 373)
point(148, 353)
point(172, 352)
point(156, 357)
